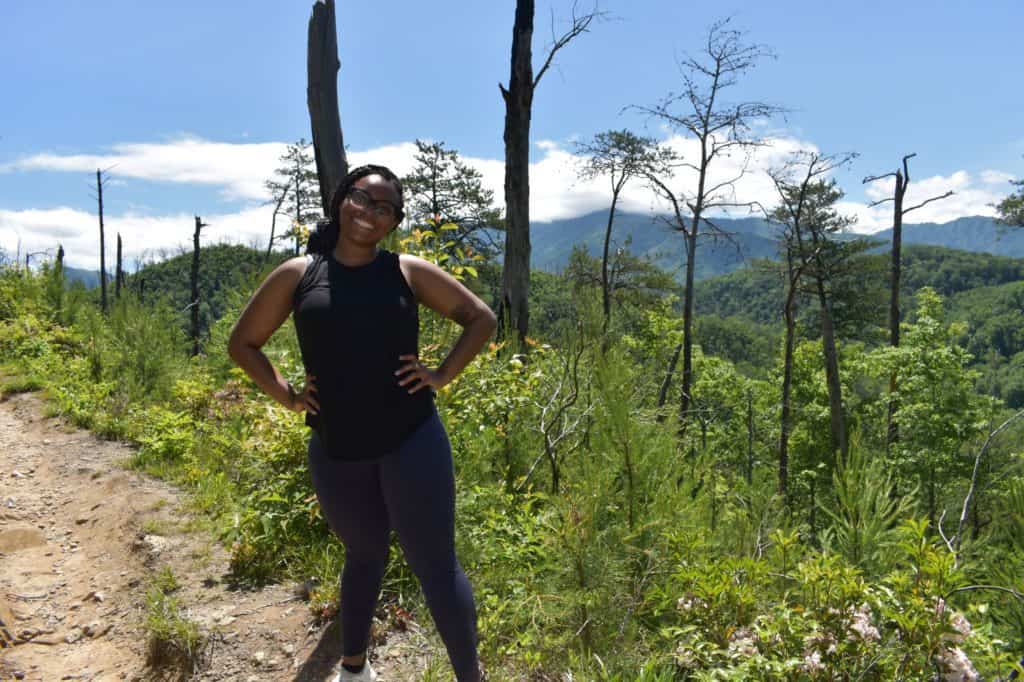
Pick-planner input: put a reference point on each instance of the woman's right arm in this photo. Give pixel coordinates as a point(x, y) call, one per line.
point(266, 311)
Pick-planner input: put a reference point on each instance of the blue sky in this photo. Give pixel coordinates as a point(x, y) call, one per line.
point(192, 102)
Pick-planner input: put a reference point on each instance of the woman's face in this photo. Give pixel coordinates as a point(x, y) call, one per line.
point(369, 211)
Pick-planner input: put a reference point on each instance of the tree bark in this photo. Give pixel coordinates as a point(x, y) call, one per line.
point(606, 294)
point(194, 294)
point(322, 67)
point(787, 387)
point(663, 393)
point(518, 97)
point(837, 421)
point(103, 257)
point(892, 431)
point(118, 271)
point(691, 257)
point(273, 225)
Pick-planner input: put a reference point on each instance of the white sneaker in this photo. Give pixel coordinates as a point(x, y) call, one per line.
point(364, 675)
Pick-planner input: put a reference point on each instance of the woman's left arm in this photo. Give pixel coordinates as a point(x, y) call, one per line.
point(441, 292)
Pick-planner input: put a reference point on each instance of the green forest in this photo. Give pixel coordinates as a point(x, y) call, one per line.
point(603, 534)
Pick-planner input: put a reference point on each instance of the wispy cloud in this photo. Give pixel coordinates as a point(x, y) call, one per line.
point(145, 237)
point(238, 171)
point(971, 196)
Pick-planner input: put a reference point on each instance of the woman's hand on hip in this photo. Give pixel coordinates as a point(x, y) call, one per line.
point(305, 400)
point(415, 375)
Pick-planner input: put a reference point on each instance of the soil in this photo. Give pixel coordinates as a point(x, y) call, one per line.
point(81, 541)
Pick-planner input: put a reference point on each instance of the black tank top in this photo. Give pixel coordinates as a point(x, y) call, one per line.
point(352, 324)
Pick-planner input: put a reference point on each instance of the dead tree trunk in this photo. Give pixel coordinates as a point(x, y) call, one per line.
point(103, 258)
point(118, 271)
point(837, 418)
point(785, 420)
point(194, 296)
point(513, 308)
point(685, 392)
point(515, 278)
point(663, 393)
point(273, 225)
point(322, 67)
point(606, 291)
point(902, 180)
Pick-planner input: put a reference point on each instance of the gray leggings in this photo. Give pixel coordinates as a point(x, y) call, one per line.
point(410, 490)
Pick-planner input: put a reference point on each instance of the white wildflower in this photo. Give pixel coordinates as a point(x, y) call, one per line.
point(861, 625)
point(956, 666)
point(743, 641)
point(812, 663)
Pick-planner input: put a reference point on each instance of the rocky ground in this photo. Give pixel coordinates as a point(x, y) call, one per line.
point(82, 540)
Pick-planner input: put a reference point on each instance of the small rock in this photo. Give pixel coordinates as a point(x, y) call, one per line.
point(97, 629)
point(152, 544)
point(17, 474)
point(259, 657)
point(46, 441)
point(19, 674)
point(82, 519)
point(9, 503)
point(289, 649)
point(73, 636)
point(94, 596)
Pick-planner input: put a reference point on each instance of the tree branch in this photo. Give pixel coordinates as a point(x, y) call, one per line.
point(925, 203)
point(580, 24)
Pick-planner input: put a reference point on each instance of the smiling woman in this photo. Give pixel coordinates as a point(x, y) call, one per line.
point(378, 454)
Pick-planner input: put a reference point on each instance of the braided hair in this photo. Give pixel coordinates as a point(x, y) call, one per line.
point(325, 237)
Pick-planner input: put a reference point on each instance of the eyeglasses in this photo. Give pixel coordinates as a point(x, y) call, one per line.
point(379, 207)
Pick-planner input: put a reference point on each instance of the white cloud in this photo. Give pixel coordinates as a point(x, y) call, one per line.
point(970, 198)
point(239, 170)
point(556, 192)
point(145, 237)
point(992, 177)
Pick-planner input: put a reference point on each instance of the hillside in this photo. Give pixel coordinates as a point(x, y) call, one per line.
point(226, 271)
point(750, 239)
point(984, 292)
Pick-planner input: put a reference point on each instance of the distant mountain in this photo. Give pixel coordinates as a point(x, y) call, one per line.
point(975, 233)
point(90, 278)
point(750, 238)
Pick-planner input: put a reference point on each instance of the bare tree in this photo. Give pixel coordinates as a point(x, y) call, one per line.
point(558, 424)
point(621, 156)
point(802, 196)
point(902, 182)
point(100, 181)
point(118, 271)
point(194, 281)
point(322, 67)
point(721, 130)
point(273, 221)
point(513, 307)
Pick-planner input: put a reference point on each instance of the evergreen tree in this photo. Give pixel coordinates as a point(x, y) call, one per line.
point(295, 186)
point(445, 189)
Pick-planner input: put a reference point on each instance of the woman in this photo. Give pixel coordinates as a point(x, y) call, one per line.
point(378, 455)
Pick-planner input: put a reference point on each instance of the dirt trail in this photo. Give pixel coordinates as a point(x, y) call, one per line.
point(81, 539)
